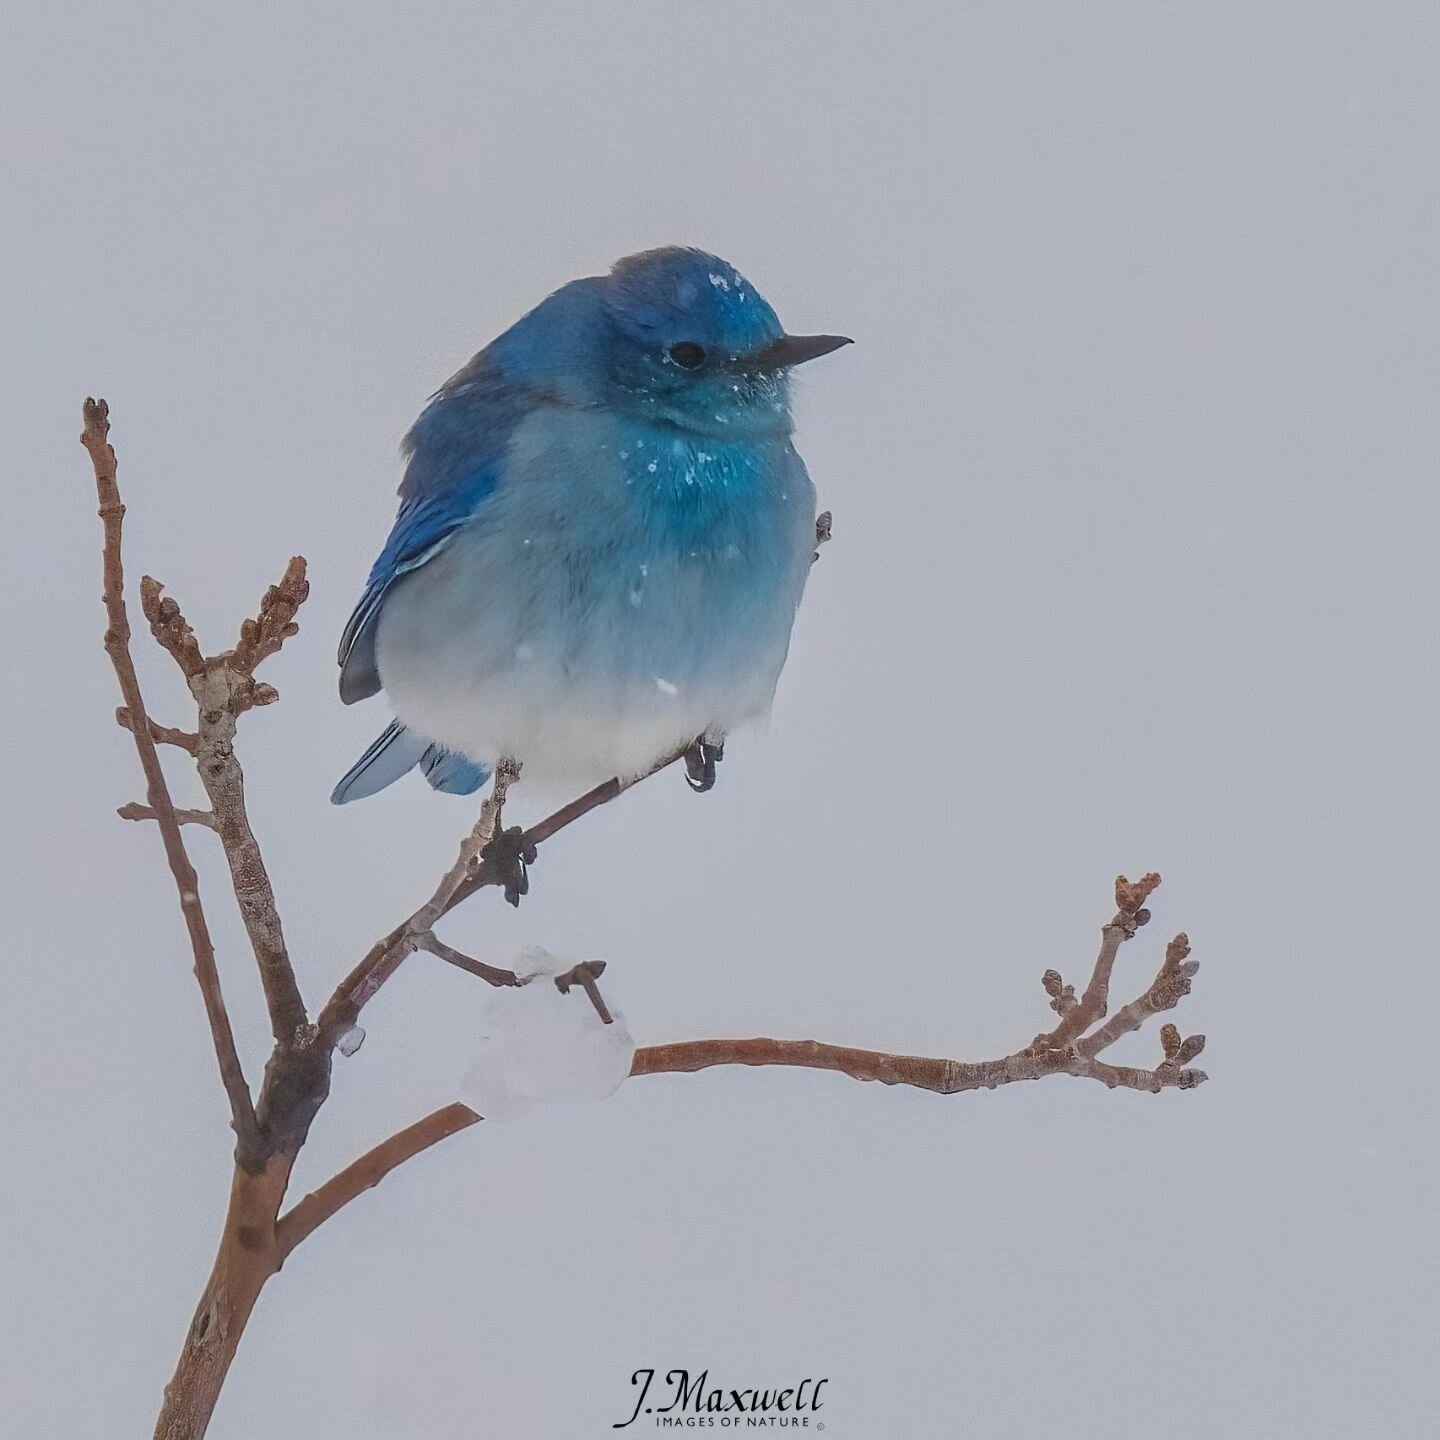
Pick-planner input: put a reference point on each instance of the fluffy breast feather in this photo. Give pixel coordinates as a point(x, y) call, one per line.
point(626, 588)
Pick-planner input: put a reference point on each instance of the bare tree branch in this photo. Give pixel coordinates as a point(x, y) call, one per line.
point(1170, 986)
point(943, 1076)
point(385, 957)
point(95, 438)
point(170, 628)
point(224, 688)
point(275, 623)
point(368, 1171)
point(1076, 1019)
point(471, 872)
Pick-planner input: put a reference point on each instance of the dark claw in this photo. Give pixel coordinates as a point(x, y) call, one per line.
point(700, 762)
point(507, 857)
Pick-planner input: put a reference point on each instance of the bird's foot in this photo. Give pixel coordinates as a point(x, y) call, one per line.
point(700, 762)
point(507, 857)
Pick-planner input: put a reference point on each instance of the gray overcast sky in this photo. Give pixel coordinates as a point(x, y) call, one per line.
point(1133, 470)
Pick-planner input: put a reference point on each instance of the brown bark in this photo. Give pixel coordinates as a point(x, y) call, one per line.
point(922, 1072)
point(248, 1256)
point(369, 1170)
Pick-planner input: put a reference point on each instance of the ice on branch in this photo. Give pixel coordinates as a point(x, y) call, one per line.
point(350, 1039)
point(540, 1046)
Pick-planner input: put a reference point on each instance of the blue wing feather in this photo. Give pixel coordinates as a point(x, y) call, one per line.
point(455, 453)
point(422, 528)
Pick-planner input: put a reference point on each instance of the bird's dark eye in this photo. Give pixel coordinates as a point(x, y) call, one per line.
point(688, 355)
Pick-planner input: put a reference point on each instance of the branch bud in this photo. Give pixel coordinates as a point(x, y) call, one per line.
point(1170, 1040)
point(1193, 1045)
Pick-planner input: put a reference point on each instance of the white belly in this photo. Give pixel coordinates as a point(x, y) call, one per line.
point(567, 736)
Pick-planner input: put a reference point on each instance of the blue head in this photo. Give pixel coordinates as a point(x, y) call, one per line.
point(673, 335)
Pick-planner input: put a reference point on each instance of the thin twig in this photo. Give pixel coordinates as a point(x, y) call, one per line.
point(95, 438)
point(490, 974)
point(275, 621)
point(161, 734)
point(585, 974)
point(170, 628)
point(471, 872)
point(554, 823)
point(134, 811)
point(1170, 986)
point(1076, 1019)
point(386, 956)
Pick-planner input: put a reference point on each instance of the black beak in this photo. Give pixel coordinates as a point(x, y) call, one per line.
point(791, 350)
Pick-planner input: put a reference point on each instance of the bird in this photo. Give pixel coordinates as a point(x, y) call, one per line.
point(603, 536)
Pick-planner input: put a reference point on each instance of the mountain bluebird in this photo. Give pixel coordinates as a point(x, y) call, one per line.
point(603, 535)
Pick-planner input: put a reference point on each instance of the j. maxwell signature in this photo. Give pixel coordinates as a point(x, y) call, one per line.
point(691, 1402)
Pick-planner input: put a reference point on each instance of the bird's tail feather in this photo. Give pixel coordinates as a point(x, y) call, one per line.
point(394, 752)
point(450, 771)
point(397, 750)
